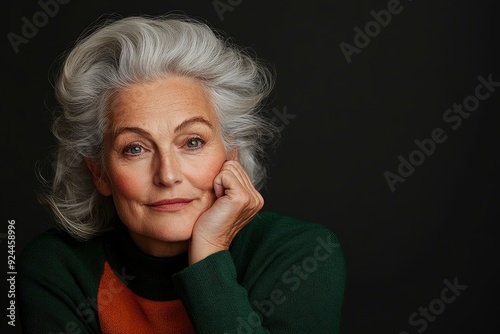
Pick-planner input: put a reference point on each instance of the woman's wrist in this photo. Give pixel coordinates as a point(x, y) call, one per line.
point(199, 250)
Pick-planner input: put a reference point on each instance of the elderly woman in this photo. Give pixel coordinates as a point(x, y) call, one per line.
point(159, 162)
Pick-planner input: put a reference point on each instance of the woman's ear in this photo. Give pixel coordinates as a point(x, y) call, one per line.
point(100, 178)
point(233, 154)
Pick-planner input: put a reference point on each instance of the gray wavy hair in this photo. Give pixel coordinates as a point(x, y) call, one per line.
point(124, 51)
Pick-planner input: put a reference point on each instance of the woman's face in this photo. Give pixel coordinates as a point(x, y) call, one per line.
point(162, 153)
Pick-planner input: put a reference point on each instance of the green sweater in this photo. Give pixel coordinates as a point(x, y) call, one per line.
point(280, 275)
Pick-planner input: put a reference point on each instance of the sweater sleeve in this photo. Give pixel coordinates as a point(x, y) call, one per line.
point(212, 296)
point(292, 286)
point(55, 289)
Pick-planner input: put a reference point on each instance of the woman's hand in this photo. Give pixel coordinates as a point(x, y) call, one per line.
point(237, 203)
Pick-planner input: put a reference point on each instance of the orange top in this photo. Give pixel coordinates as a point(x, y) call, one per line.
point(122, 311)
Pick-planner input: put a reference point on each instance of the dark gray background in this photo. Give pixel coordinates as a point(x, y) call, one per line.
point(351, 122)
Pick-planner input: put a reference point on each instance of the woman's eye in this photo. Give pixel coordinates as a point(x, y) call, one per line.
point(133, 150)
point(194, 143)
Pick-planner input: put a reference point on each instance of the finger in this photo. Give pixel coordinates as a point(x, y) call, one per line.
point(236, 191)
point(218, 189)
point(230, 179)
point(227, 180)
point(240, 173)
point(254, 198)
point(243, 176)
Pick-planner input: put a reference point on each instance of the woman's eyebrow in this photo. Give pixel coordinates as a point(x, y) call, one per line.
point(133, 129)
point(190, 121)
point(178, 128)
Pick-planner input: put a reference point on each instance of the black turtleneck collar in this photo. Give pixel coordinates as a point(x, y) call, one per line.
point(147, 276)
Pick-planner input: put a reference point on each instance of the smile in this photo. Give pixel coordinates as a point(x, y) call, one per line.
point(170, 205)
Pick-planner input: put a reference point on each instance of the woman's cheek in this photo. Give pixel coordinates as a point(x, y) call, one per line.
point(213, 169)
point(128, 181)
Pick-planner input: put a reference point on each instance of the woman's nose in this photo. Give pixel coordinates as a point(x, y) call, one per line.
point(167, 169)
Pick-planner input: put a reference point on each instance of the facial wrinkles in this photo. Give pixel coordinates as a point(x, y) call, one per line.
point(159, 108)
point(134, 107)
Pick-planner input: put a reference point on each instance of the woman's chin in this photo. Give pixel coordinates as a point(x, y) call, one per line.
point(174, 233)
point(163, 239)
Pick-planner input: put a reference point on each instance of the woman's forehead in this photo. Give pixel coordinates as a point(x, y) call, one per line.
point(172, 104)
point(172, 97)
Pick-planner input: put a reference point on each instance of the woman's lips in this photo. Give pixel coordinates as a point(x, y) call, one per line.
point(168, 205)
